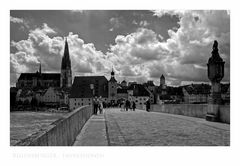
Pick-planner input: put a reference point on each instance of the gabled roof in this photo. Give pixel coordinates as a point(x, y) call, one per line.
point(81, 86)
point(174, 91)
point(198, 89)
point(112, 79)
point(138, 90)
point(44, 76)
point(149, 83)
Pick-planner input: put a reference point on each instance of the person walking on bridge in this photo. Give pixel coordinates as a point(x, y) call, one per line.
point(133, 106)
point(100, 105)
point(147, 105)
point(127, 104)
point(95, 105)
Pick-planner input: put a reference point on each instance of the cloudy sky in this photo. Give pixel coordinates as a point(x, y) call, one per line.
point(139, 45)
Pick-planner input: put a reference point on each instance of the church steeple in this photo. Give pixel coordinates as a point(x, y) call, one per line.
point(112, 79)
point(112, 73)
point(66, 72)
point(66, 62)
point(40, 69)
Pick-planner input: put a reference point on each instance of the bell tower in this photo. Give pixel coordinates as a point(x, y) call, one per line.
point(112, 88)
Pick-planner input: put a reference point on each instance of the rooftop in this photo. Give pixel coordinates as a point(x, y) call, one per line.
point(81, 87)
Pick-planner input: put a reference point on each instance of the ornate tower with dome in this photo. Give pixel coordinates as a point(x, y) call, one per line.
point(112, 88)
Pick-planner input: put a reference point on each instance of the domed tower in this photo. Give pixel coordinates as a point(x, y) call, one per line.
point(112, 88)
point(66, 72)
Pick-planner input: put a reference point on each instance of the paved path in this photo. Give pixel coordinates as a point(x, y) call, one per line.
point(93, 132)
point(141, 128)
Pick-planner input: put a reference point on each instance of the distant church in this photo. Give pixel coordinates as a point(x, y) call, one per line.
point(46, 80)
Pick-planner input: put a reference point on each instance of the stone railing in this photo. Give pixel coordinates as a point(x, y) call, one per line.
point(62, 132)
point(193, 110)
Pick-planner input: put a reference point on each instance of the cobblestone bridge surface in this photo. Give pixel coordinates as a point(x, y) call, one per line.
point(141, 128)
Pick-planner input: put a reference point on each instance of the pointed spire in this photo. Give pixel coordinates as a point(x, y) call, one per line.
point(40, 68)
point(66, 62)
point(66, 51)
point(162, 76)
point(112, 73)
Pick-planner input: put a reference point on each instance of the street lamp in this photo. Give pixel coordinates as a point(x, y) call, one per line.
point(92, 89)
point(215, 75)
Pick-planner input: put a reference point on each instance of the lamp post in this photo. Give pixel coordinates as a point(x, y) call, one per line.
point(215, 74)
point(92, 88)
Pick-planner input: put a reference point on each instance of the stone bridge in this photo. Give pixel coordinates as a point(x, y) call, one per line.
point(141, 128)
point(130, 128)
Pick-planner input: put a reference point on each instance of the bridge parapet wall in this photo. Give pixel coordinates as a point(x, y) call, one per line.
point(62, 132)
point(193, 110)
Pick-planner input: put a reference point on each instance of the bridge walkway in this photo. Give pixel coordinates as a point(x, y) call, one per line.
point(141, 128)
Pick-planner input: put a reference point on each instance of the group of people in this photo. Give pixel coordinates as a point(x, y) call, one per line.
point(97, 105)
point(126, 105)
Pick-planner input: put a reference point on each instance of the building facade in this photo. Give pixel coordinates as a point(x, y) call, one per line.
point(139, 94)
point(196, 93)
point(82, 94)
point(38, 80)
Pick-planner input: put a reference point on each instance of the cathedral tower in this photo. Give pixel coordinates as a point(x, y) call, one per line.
point(66, 72)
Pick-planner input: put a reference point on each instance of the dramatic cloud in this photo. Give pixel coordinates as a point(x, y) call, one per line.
point(16, 20)
point(183, 56)
point(23, 23)
point(141, 55)
point(39, 47)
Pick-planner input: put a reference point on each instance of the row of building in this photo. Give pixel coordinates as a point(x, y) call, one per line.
point(56, 89)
